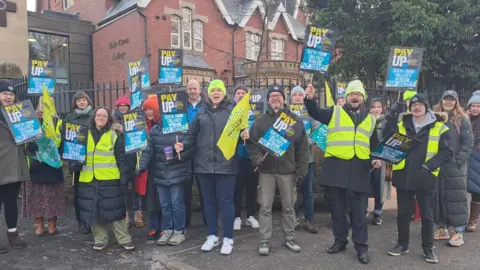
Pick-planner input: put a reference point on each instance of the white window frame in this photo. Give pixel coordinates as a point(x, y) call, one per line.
point(65, 4)
point(198, 36)
point(187, 28)
point(175, 19)
point(277, 49)
point(252, 46)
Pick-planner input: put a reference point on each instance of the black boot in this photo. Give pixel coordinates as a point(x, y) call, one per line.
point(363, 257)
point(336, 248)
point(430, 255)
point(82, 228)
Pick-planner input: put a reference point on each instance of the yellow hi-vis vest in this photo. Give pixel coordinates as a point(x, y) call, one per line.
point(344, 141)
point(432, 146)
point(101, 162)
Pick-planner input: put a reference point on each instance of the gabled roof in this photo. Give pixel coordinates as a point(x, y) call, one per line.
point(118, 9)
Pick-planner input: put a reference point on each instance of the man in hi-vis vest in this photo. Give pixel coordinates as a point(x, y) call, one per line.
point(351, 137)
point(417, 175)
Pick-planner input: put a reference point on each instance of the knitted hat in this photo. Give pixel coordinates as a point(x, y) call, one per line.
point(450, 93)
point(407, 95)
point(151, 103)
point(217, 84)
point(475, 98)
point(339, 97)
point(80, 95)
point(376, 99)
point(122, 100)
point(6, 86)
point(276, 88)
point(355, 86)
point(240, 87)
point(297, 89)
point(420, 98)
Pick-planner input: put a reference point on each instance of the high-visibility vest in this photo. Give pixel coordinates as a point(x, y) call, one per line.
point(101, 162)
point(432, 147)
point(344, 141)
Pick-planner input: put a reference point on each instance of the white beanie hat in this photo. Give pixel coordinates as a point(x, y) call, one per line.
point(475, 98)
point(297, 89)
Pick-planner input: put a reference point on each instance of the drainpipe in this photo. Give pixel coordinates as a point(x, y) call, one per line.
point(233, 55)
point(145, 31)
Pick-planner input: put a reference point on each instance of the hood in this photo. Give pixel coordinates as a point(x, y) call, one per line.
point(117, 127)
point(439, 116)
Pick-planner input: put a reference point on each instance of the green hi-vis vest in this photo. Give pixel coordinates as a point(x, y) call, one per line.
point(432, 146)
point(344, 141)
point(101, 162)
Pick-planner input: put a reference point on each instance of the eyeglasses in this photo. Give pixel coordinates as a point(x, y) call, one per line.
point(275, 95)
point(7, 94)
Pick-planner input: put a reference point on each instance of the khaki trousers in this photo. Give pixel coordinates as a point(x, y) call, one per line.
point(120, 229)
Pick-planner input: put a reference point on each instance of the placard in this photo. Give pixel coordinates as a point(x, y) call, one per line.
point(300, 110)
point(135, 131)
point(173, 112)
point(341, 86)
point(136, 95)
point(256, 109)
point(404, 64)
point(23, 122)
point(42, 73)
point(136, 67)
point(319, 136)
point(170, 66)
point(317, 48)
point(395, 147)
point(74, 138)
point(282, 133)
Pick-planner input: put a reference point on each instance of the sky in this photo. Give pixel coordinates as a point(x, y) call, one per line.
point(31, 5)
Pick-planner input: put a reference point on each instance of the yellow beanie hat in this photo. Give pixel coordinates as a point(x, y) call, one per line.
point(355, 86)
point(217, 84)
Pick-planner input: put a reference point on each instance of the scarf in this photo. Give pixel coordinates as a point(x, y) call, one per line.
point(84, 111)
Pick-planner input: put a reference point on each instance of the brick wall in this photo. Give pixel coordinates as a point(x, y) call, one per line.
point(90, 10)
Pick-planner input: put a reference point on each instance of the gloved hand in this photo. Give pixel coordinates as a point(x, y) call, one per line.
point(32, 148)
point(259, 161)
point(75, 166)
point(139, 172)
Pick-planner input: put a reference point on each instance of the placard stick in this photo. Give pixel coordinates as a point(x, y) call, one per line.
point(264, 156)
point(73, 178)
point(179, 157)
point(311, 79)
point(36, 153)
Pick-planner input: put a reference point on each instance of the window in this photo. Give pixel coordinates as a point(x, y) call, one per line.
point(253, 46)
point(277, 49)
point(51, 47)
point(198, 36)
point(67, 4)
point(187, 28)
point(175, 32)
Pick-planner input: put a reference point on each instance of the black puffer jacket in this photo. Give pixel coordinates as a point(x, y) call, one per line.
point(452, 193)
point(104, 199)
point(473, 185)
point(206, 128)
point(413, 177)
point(166, 173)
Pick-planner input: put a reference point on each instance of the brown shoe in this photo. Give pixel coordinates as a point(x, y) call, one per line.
point(39, 229)
point(474, 213)
point(15, 240)
point(52, 226)
point(3, 249)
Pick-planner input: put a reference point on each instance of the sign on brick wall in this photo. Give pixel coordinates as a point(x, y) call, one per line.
point(6, 6)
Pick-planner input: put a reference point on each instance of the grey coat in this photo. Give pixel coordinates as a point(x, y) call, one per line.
point(452, 193)
point(13, 163)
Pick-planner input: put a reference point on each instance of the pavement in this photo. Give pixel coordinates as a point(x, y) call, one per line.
point(71, 250)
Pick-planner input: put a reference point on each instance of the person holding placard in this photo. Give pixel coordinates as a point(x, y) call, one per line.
point(14, 171)
point(286, 170)
point(351, 137)
point(102, 181)
point(216, 174)
point(416, 176)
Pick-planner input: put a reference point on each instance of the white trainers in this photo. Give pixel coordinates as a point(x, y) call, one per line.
point(237, 224)
point(252, 222)
point(212, 241)
point(227, 246)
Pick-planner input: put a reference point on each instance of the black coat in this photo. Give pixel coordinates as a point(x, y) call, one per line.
point(206, 128)
point(413, 177)
point(473, 185)
point(104, 200)
point(351, 174)
point(165, 173)
point(41, 173)
point(452, 192)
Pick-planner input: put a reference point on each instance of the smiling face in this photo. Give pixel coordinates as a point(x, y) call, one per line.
point(475, 109)
point(448, 103)
point(297, 97)
point(239, 95)
point(7, 98)
point(101, 118)
point(216, 96)
point(123, 108)
point(81, 103)
point(193, 90)
point(355, 100)
point(376, 108)
point(418, 109)
point(276, 101)
point(149, 114)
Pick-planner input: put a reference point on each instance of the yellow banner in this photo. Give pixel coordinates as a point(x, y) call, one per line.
point(237, 121)
point(330, 101)
point(49, 112)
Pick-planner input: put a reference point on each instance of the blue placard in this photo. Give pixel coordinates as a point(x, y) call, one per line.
point(275, 142)
point(318, 46)
point(171, 75)
point(313, 60)
point(135, 141)
point(136, 100)
point(23, 122)
point(170, 66)
point(74, 139)
point(42, 74)
point(395, 147)
point(173, 111)
point(136, 67)
point(74, 151)
point(404, 64)
point(134, 125)
point(319, 135)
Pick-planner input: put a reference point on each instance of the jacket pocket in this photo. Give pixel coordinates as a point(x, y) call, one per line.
point(425, 181)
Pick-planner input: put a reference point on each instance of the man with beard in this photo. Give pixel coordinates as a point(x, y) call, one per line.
point(352, 135)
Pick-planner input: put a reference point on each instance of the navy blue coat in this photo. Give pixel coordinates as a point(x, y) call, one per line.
point(473, 184)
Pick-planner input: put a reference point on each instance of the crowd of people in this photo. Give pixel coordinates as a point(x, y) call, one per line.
point(434, 180)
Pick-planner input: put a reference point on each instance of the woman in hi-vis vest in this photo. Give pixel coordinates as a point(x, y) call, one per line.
point(101, 182)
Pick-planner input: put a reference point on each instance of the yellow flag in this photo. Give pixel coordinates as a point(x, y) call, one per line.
point(330, 101)
point(237, 121)
point(49, 112)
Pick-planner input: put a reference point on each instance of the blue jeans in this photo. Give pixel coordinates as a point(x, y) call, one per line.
point(376, 183)
point(155, 221)
point(173, 207)
point(307, 190)
point(218, 189)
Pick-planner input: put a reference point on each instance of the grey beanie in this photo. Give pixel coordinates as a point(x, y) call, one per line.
point(450, 93)
point(297, 89)
point(475, 98)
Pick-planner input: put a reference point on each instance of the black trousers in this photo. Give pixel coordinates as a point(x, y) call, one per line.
point(187, 192)
point(476, 197)
point(405, 202)
point(8, 197)
point(246, 179)
point(358, 210)
point(76, 178)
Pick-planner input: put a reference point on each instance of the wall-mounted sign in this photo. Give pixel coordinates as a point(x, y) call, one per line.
point(117, 43)
point(6, 6)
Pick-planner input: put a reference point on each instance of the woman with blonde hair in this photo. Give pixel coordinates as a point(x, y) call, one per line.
point(452, 200)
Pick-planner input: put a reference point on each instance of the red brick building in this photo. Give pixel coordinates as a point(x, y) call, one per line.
point(220, 38)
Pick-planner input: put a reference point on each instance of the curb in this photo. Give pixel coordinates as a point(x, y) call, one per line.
point(169, 263)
